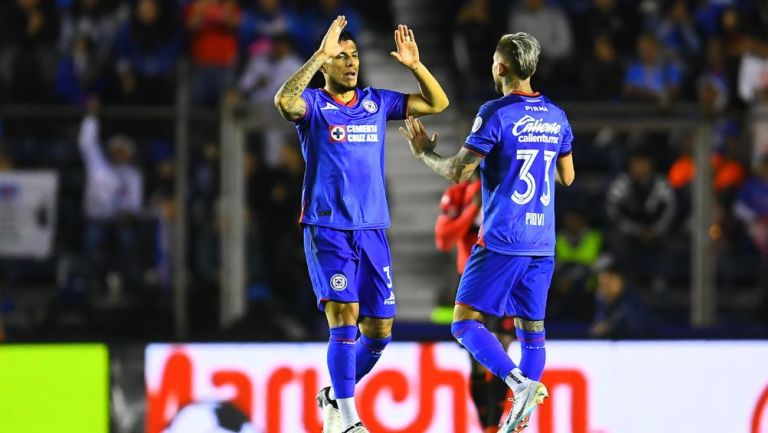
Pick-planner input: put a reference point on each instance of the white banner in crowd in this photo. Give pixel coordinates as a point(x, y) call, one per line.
point(27, 213)
point(595, 387)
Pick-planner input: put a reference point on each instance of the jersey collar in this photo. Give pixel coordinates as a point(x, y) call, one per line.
point(339, 102)
point(530, 95)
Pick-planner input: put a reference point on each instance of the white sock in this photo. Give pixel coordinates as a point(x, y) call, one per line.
point(331, 394)
point(348, 412)
point(516, 381)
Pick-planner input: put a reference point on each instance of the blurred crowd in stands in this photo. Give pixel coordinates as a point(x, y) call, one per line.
point(116, 192)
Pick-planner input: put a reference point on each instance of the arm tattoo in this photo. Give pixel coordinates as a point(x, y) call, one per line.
point(456, 168)
point(529, 325)
point(290, 91)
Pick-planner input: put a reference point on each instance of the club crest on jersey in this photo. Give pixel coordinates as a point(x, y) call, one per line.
point(370, 106)
point(338, 282)
point(337, 133)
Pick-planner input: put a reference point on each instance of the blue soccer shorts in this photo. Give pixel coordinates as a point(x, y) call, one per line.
point(351, 266)
point(505, 285)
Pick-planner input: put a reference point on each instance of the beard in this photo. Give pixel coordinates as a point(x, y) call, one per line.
point(342, 86)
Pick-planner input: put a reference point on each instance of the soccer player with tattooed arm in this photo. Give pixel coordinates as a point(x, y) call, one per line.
point(522, 144)
point(344, 207)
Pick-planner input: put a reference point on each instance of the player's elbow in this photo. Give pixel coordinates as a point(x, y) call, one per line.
point(567, 178)
point(280, 102)
point(437, 106)
point(440, 105)
point(287, 108)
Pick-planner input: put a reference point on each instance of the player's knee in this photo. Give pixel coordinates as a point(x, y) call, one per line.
point(529, 325)
point(376, 328)
point(462, 313)
point(341, 314)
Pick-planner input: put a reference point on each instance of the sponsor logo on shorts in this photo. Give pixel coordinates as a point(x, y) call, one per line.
point(338, 282)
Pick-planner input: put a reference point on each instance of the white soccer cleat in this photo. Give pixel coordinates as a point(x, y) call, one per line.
point(523, 425)
point(331, 414)
point(523, 403)
point(357, 428)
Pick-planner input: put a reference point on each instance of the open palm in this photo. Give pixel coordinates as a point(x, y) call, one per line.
point(407, 51)
point(330, 45)
point(417, 136)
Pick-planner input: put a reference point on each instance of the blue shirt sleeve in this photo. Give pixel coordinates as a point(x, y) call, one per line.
point(566, 146)
point(486, 131)
point(309, 96)
point(395, 104)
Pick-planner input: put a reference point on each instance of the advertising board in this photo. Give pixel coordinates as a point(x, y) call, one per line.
point(595, 387)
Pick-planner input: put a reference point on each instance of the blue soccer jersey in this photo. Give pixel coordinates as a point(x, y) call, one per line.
point(520, 136)
point(343, 147)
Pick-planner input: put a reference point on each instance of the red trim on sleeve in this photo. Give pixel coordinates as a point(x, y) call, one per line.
point(476, 152)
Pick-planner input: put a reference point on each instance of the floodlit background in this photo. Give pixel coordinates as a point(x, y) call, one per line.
point(149, 193)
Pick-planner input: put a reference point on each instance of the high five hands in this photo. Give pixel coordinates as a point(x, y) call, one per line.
point(417, 136)
point(407, 51)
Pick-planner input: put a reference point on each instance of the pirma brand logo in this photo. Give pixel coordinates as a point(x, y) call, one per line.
point(391, 299)
point(337, 133)
point(338, 282)
point(370, 106)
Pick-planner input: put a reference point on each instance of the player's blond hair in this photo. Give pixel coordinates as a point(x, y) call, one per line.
point(521, 52)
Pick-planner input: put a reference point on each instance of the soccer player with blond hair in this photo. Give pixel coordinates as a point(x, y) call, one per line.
point(522, 144)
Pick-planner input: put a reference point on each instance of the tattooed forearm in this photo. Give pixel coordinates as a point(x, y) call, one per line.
point(529, 325)
point(297, 82)
point(456, 168)
point(288, 99)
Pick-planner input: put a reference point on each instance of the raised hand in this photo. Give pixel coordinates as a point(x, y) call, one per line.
point(407, 51)
point(417, 136)
point(330, 45)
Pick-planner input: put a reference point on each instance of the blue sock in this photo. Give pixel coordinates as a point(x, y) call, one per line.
point(534, 354)
point(341, 360)
point(367, 353)
point(483, 346)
